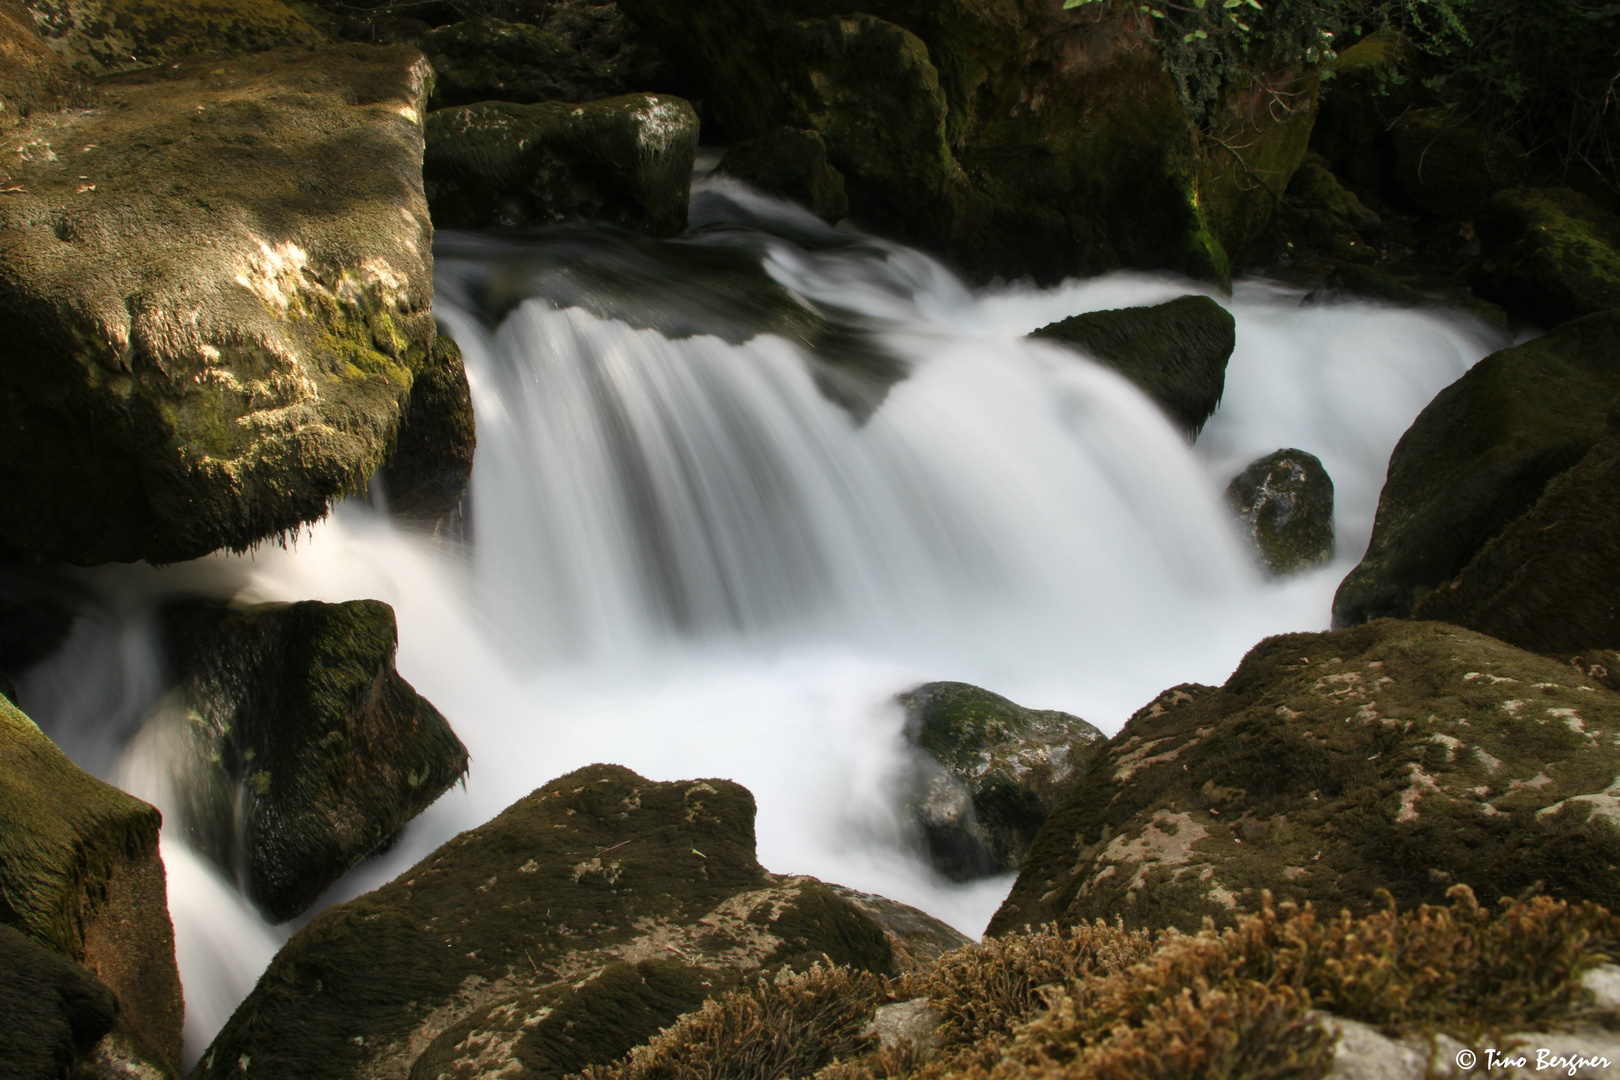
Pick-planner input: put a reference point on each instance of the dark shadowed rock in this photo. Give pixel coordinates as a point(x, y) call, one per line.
point(916, 938)
point(1328, 215)
point(489, 60)
point(1176, 352)
point(1548, 255)
point(55, 1011)
point(1407, 756)
point(431, 463)
point(572, 927)
point(1351, 282)
point(292, 748)
point(988, 773)
point(1477, 457)
point(1285, 501)
point(625, 161)
point(101, 36)
point(1449, 166)
point(790, 163)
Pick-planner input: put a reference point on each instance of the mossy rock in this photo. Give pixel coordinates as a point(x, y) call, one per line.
point(987, 773)
point(601, 900)
point(101, 36)
point(80, 873)
point(1548, 255)
point(1285, 501)
point(294, 748)
point(1323, 213)
point(55, 1011)
point(1353, 282)
point(1402, 756)
point(489, 60)
point(790, 163)
point(431, 463)
point(1451, 167)
point(625, 161)
point(1547, 582)
point(916, 938)
point(32, 75)
point(1373, 83)
point(1176, 351)
point(217, 291)
point(1477, 457)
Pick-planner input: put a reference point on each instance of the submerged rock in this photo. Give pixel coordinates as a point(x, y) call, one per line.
point(431, 463)
point(625, 161)
point(293, 749)
point(988, 774)
point(1176, 352)
point(1407, 756)
point(216, 291)
point(1477, 457)
point(575, 925)
point(80, 873)
point(487, 59)
point(790, 163)
point(1285, 500)
point(1548, 254)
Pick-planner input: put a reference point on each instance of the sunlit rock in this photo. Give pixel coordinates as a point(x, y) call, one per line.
point(486, 59)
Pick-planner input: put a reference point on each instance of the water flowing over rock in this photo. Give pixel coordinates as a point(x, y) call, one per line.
point(989, 773)
point(626, 161)
point(790, 163)
point(1285, 501)
point(80, 873)
point(1405, 756)
point(292, 749)
point(1479, 456)
point(216, 283)
point(1549, 255)
point(1176, 352)
point(431, 463)
point(567, 930)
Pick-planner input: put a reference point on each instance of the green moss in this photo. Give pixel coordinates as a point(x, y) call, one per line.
point(55, 1011)
point(430, 465)
point(1549, 255)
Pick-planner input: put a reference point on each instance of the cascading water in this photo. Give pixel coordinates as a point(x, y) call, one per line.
point(734, 492)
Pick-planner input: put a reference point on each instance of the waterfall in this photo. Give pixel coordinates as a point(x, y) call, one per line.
point(732, 492)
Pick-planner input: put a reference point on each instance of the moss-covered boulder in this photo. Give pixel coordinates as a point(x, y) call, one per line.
point(216, 288)
point(790, 163)
point(1406, 756)
point(431, 462)
point(55, 1011)
point(490, 60)
point(1176, 351)
point(1477, 457)
point(986, 774)
point(570, 928)
point(1329, 216)
point(1285, 501)
point(626, 161)
point(1351, 282)
point(80, 873)
point(101, 36)
point(292, 749)
point(1374, 82)
point(32, 75)
point(1548, 254)
point(1547, 583)
point(1450, 167)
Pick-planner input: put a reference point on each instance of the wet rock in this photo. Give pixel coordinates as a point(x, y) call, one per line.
point(624, 161)
point(32, 75)
point(1451, 167)
point(1548, 255)
point(915, 938)
point(790, 163)
point(101, 36)
point(1479, 456)
point(431, 463)
point(988, 774)
point(489, 60)
point(1407, 756)
point(1350, 282)
point(570, 928)
point(292, 748)
point(55, 1011)
point(219, 276)
point(80, 874)
point(1176, 352)
point(1286, 502)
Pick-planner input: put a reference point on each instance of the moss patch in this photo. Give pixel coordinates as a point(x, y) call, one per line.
point(1549, 255)
point(1285, 501)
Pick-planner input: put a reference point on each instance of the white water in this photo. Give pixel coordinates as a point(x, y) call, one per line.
point(688, 561)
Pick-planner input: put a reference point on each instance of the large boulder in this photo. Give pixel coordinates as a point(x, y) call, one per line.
point(80, 873)
point(790, 163)
point(216, 285)
point(570, 928)
point(1285, 501)
point(431, 463)
point(1477, 457)
point(626, 161)
point(1404, 756)
point(490, 60)
point(1449, 166)
point(292, 749)
point(1176, 351)
point(1548, 254)
point(987, 774)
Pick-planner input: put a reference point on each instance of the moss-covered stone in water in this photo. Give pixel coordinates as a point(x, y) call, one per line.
point(1477, 457)
point(601, 898)
point(1176, 352)
point(1285, 500)
point(55, 1011)
point(790, 163)
point(486, 59)
point(79, 872)
point(431, 462)
point(1407, 756)
point(993, 772)
point(297, 749)
point(1548, 255)
point(626, 161)
point(1449, 166)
